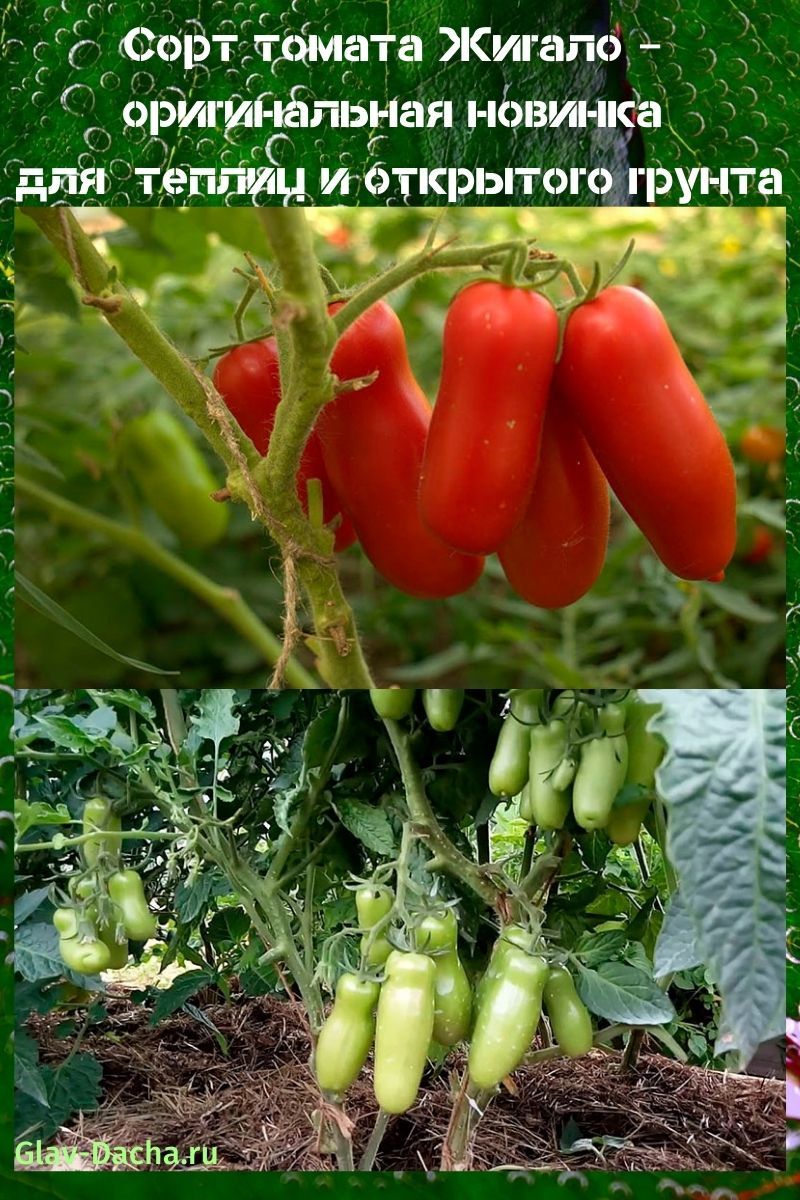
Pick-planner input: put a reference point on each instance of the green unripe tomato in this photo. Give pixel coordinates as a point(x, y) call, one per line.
point(172, 475)
point(507, 1018)
point(612, 718)
point(438, 936)
point(392, 704)
point(442, 707)
point(97, 814)
point(508, 770)
point(645, 749)
point(600, 775)
point(510, 935)
point(117, 951)
point(65, 921)
point(372, 905)
point(85, 958)
point(437, 931)
point(569, 1016)
point(625, 823)
point(548, 806)
point(645, 752)
point(127, 891)
point(403, 1030)
point(345, 1038)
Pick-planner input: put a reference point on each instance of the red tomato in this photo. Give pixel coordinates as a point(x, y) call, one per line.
point(499, 347)
point(761, 546)
point(248, 380)
point(655, 438)
point(372, 444)
point(763, 444)
point(557, 551)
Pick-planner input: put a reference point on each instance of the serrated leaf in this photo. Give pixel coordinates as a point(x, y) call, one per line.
point(370, 825)
point(593, 948)
point(173, 998)
point(193, 897)
point(214, 717)
point(36, 953)
point(229, 925)
point(27, 1074)
point(622, 994)
point(723, 782)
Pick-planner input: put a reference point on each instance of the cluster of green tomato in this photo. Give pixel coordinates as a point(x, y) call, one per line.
point(599, 763)
point(108, 901)
point(425, 1000)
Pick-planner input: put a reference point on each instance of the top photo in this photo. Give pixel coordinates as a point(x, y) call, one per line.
point(353, 447)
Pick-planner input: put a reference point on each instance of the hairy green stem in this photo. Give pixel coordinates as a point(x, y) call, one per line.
point(446, 856)
point(164, 361)
point(305, 346)
point(129, 835)
point(225, 601)
point(431, 258)
point(336, 644)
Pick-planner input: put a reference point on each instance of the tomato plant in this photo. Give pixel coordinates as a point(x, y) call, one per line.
point(296, 846)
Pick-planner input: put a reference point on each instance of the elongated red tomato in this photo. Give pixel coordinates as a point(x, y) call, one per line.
point(372, 443)
point(655, 438)
point(556, 552)
point(499, 347)
point(248, 379)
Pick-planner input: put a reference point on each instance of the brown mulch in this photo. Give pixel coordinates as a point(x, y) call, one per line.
point(172, 1084)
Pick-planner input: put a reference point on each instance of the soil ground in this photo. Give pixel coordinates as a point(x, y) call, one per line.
point(173, 1084)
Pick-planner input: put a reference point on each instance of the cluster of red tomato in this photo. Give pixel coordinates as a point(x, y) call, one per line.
point(515, 455)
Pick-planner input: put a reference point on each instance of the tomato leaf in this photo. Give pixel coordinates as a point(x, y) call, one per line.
point(623, 994)
point(370, 825)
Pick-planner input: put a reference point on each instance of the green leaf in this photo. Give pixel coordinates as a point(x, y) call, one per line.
point(215, 718)
point(40, 602)
point(623, 994)
point(36, 953)
point(370, 825)
point(676, 948)
point(71, 1087)
point(170, 999)
point(27, 1073)
point(723, 782)
point(26, 815)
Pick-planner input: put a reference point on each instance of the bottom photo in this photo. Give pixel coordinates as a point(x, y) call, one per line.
point(400, 930)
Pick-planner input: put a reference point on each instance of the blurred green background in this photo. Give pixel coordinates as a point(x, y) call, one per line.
point(719, 276)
